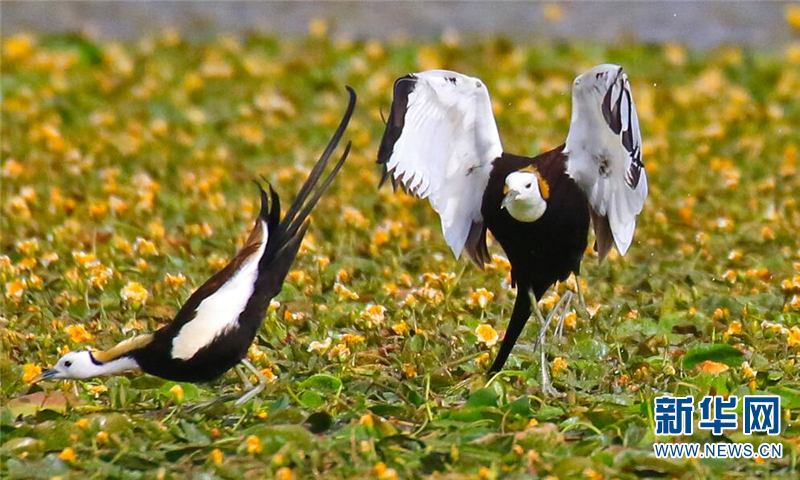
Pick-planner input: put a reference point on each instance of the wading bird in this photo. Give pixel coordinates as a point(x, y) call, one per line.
point(213, 330)
point(441, 143)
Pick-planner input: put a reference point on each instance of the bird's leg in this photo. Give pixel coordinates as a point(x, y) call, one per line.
point(262, 382)
point(243, 377)
point(546, 386)
point(567, 299)
point(581, 299)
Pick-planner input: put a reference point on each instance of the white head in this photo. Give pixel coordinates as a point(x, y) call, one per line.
point(524, 199)
point(82, 364)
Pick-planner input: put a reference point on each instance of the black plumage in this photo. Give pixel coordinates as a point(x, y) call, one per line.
point(441, 143)
point(284, 239)
point(213, 330)
point(543, 252)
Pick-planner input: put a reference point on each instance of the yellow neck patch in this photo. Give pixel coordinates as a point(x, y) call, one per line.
point(122, 348)
point(544, 187)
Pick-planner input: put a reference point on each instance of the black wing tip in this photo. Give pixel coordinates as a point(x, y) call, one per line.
point(403, 87)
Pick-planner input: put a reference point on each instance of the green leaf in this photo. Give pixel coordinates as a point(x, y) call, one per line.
point(311, 399)
point(322, 382)
point(717, 352)
point(484, 397)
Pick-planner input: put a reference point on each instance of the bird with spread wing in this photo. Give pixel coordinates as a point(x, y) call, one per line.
point(214, 329)
point(442, 143)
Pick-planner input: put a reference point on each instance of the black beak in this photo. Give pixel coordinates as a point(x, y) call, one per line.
point(44, 375)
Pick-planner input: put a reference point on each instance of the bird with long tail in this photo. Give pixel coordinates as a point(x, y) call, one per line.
point(214, 329)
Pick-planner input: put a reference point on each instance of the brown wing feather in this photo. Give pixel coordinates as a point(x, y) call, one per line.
point(604, 239)
point(123, 347)
point(475, 246)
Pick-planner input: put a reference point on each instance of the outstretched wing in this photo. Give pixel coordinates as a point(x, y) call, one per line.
point(616, 182)
point(439, 144)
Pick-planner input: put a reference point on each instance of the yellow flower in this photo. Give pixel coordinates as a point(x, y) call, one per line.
point(83, 259)
point(792, 56)
point(793, 339)
point(13, 169)
point(177, 392)
point(97, 390)
point(483, 359)
point(409, 370)
point(100, 276)
point(400, 328)
point(380, 237)
point(18, 47)
point(354, 217)
point(298, 277)
point(253, 444)
point(101, 437)
point(592, 474)
point(30, 371)
point(675, 54)
point(216, 456)
point(79, 334)
point(68, 454)
point(710, 366)
point(350, 338)
point(383, 472)
point(366, 420)
point(341, 351)
point(323, 262)
point(729, 276)
point(735, 328)
point(82, 423)
point(145, 247)
point(735, 255)
point(318, 27)
point(28, 246)
point(486, 334)
point(480, 298)
point(748, 371)
point(134, 293)
point(344, 293)
point(320, 347)
point(559, 364)
point(342, 276)
point(15, 289)
point(174, 281)
point(570, 320)
point(793, 16)
point(485, 472)
point(285, 473)
point(374, 314)
point(794, 303)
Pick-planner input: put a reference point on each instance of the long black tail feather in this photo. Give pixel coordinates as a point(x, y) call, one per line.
point(319, 168)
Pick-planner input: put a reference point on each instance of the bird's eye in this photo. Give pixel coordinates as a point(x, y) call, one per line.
point(528, 186)
point(68, 363)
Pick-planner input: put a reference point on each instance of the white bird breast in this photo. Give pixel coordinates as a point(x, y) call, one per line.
point(220, 311)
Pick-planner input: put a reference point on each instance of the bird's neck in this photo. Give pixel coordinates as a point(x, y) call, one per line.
point(112, 367)
point(120, 357)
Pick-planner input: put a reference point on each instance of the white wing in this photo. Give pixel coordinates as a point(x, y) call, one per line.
point(610, 168)
point(439, 144)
